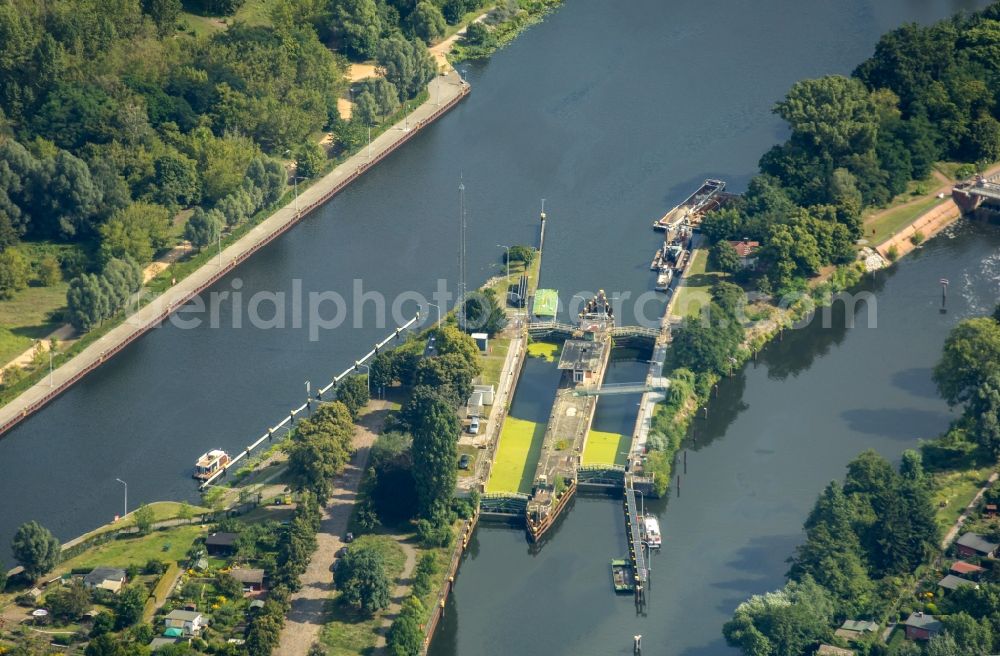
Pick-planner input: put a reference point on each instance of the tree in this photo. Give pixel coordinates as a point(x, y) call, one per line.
point(406, 64)
point(229, 586)
point(69, 602)
point(362, 579)
point(353, 393)
point(164, 13)
point(65, 197)
point(129, 604)
point(175, 180)
point(87, 303)
point(971, 354)
point(107, 644)
point(483, 312)
point(365, 108)
point(35, 549)
point(203, 228)
point(136, 231)
point(392, 489)
point(435, 431)
point(320, 448)
point(309, 160)
point(723, 257)
point(450, 374)
point(49, 271)
point(708, 342)
point(356, 25)
point(832, 554)
point(427, 22)
point(144, 517)
point(786, 621)
point(519, 253)
point(405, 637)
point(972, 637)
point(15, 270)
point(834, 114)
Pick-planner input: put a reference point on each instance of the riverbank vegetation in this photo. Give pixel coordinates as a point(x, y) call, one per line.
point(856, 142)
point(872, 544)
point(500, 27)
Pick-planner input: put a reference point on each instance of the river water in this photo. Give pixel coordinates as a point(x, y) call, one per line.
point(613, 112)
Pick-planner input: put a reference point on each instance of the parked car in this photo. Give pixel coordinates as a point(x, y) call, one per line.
point(463, 462)
point(349, 538)
point(474, 426)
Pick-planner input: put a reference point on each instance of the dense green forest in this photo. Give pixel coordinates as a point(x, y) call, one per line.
point(927, 94)
point(120, 117)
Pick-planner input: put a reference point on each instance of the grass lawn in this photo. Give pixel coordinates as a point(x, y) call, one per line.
point(473, 453)
point(952, 492)
point(520, 447)
point(171, 544)
point(493, 362)
point(545, 350)
point(350, 632)
point(887, 224)
point(253, 12)
point(25, 318)
point(606, 448)
point(694, 290)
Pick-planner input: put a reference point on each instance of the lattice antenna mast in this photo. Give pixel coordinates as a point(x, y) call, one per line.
point(462, 290)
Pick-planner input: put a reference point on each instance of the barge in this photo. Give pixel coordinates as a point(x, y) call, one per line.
point(621, 575)
point(705, 199)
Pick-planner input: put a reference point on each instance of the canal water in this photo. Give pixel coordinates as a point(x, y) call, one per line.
point(613, 112)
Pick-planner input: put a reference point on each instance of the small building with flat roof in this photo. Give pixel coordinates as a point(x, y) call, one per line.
point(546, 303)
point(583, 357)
point(185, 622)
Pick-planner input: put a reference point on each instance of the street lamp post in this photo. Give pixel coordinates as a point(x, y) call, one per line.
point(438, 307)
point(508, 260)
point(126, 494)
point(51, 382)
point(218, 240)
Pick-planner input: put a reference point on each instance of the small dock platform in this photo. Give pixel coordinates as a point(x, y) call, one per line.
point(636, 553)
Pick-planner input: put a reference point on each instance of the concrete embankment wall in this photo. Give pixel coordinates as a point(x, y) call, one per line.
point(928, 225)
point(95, 355)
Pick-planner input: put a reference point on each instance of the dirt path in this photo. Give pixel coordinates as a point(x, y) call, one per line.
point(399, 593)
point(307, 615)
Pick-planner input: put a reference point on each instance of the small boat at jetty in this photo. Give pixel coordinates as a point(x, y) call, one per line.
point(650, 530)
point(210, 463)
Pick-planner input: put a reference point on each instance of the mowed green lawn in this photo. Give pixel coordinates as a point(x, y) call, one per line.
point(606, 448)
point(171, 544)
point(25, 318)
point(517, 457)
point(891, 222)
point(694, 291)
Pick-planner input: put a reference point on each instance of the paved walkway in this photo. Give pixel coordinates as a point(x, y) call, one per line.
point(443, 90)
point(308, 613)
